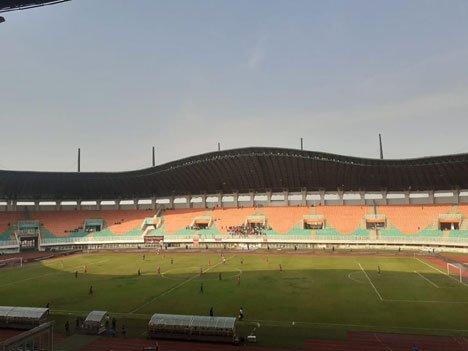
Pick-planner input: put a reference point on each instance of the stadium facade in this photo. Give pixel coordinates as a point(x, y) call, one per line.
point(249, 196)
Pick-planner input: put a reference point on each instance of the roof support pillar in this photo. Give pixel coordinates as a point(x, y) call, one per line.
point(303, 197)
point(286, 197)
point(251, 199)
point(98, 205)
point(235, 198)
point(322, 197)
point(220, 200)
point(268, 198)
point(171, 201)
point(384, 197)
point(135, 202)
point(36, 205)
point(407, 197)
point(340, 197)
point(11, 205)
point(58, 205)
point(362, 195)
point(203, 200)
point(456, 196)
point(431, 196)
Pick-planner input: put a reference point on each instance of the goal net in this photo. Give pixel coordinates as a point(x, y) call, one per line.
point(11, 262)
point(457, 271)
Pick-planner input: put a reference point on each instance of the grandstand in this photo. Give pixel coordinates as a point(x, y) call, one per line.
point(328, 202)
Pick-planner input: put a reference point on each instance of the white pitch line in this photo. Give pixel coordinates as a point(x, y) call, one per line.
point(281, 323)
point(438, 270)
point(427, 279)
point(370, 281)
point(47, 274)
point(382, 343)
point(429, 301)
point(164, 293)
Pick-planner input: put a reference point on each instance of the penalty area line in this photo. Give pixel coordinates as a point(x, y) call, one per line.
point(427, 279)
point(438, 270)
point(370, 281)
point(188, 280)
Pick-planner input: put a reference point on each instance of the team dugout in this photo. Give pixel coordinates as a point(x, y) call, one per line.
point(185, 327)
point(22, 317)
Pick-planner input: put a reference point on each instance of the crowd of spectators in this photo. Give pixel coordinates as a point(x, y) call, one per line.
point(247, 229)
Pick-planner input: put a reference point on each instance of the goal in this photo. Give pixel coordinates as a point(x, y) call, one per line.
point(11, 262)
point(457, 271)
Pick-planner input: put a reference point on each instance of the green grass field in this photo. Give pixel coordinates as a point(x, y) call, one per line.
point(324, 295)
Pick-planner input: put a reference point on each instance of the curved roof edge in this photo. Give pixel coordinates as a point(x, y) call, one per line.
point(244, 170)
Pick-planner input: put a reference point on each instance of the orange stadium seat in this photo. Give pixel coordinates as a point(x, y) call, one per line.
point(345, 219)
point(175, 220)
point(283, 219)
point(124, 221)
point(410, 219)
point(61, 223)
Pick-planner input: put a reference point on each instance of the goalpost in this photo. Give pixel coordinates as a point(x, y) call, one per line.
point(11, 262)
point(456, 270)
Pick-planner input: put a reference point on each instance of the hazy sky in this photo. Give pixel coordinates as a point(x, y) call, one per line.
point(116, 77)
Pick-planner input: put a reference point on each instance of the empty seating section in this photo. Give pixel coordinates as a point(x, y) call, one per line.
point(176, 220)
point(345, 219)
point(283, 219)
point(411, 219)
point(124, 221)
point(7, 219)
point(63, 223)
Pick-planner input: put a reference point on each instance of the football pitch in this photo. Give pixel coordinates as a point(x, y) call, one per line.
point(286, 298)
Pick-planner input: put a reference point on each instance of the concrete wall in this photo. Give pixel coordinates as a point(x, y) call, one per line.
point(265, 199)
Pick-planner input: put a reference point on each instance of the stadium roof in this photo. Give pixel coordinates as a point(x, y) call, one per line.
point(13, 5)
point(243, 170)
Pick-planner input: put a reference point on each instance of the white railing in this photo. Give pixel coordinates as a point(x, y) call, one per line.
point(277, 239)
point(91, 240)
point(8, 243)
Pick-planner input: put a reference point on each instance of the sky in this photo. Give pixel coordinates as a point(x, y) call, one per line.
point(116, 77)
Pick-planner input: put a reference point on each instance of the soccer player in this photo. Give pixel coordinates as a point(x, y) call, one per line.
point(378, 269)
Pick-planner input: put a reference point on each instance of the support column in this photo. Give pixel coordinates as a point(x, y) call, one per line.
point(268, 200)
point(456, 196)
point(322, 197)
point(98, 205)
point(384, 197)
point(431, 196)
point(36, 205)
point(304, 197)
point(252, 199)
point(340, 197)
point(171, 201)
point(407, 198)
point(11, 205)
point(203, 200)
point(220, 200)
point(58, 206)
point(362, 195)
point(286, 197)
point(235, 197)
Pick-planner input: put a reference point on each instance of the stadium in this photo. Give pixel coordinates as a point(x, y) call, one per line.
point(220, 230)
point(250, 247)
